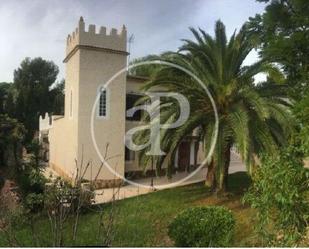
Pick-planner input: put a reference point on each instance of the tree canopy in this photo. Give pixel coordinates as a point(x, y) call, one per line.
point(33, 82)
point(282, 34)
point(252, 118)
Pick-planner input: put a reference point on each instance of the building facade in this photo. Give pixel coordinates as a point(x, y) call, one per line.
point(92, 58)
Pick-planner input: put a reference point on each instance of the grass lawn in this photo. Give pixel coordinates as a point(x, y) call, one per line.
point(143, 220)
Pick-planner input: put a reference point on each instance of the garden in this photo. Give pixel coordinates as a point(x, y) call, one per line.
point(266, 123)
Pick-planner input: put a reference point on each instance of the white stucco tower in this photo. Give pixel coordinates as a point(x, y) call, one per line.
point(92, 58)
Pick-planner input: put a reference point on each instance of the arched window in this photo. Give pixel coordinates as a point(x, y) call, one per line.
point(102, 102)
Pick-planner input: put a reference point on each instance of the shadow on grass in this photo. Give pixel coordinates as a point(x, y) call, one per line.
point(238, 182)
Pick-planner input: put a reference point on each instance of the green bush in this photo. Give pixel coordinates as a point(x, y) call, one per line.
point(30, 177)
point(61, 191)
point(203, 227)
point(279, 195)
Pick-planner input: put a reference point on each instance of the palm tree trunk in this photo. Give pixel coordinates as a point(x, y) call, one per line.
point(226, 166)
point(211, 176)
point(224, 172)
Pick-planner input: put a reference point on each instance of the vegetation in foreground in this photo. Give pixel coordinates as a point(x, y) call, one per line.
point(210, 226)
point(144, 220)
point(278, 194)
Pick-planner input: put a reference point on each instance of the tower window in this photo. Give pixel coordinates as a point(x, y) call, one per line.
point(102, 105)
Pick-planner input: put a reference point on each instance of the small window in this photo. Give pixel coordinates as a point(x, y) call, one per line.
point(129, 155)
point(102, 105)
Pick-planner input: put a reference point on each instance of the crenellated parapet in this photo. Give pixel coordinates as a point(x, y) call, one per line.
point(45, 123)
point(114, 40)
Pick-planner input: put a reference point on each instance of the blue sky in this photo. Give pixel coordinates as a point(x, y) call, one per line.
point(31, 28)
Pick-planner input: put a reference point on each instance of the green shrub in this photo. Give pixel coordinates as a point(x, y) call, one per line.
point(34, 202)
point(30, 180)
point(203, 227)
point(30, 177)
point(279, 195)
point(63, 192)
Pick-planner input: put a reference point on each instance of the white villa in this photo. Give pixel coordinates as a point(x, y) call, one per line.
point(92, 58)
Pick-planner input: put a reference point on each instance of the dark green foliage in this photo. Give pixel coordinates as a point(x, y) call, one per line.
point(11, 136)
point(57, 96)
point(301, 111)
point(203, 227)
point(34, 149)
point(27, 173)
point(279, 194)
point(30, 178)
point(282, 33)
point(253, 118)
point(33, 81)
point(144, 70)
point(62, 190)
point(6, 95)
point(33, 203)
point(33, 93)
point(4, 89)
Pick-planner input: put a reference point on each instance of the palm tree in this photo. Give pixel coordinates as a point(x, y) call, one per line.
point(253, 118)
